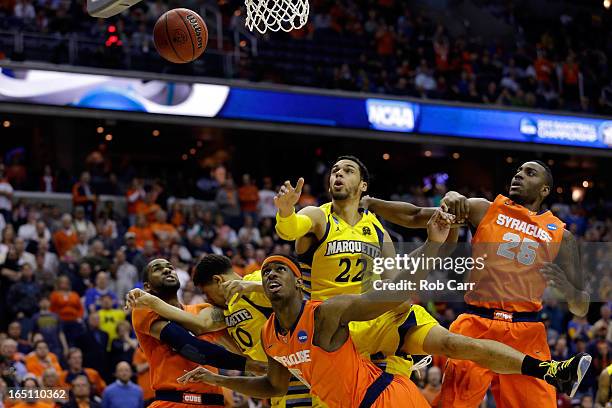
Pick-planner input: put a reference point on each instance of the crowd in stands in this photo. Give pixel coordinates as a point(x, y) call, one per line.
point(63, 278)
point(382, 46)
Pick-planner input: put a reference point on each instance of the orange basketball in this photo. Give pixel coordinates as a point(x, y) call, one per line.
point(180, 35)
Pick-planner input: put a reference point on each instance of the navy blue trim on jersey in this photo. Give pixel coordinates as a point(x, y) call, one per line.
point(375, 389)
point(266, 311)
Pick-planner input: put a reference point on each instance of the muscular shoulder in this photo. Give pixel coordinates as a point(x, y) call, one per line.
point(142, 319)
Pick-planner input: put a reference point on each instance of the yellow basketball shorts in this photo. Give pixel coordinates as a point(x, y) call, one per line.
point(383, 338)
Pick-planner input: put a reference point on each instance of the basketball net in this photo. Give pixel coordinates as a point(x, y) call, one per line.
point(276, 15)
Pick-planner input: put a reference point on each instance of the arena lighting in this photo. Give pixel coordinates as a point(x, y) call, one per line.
point(192, 151)
point(184, 157)
point(155, 133)
point(577, 194)
point(585, 184)
point(509, 159)
point(6, 123)
point(607, 3)
point(386, 156)
point(551, 162)
point(108, 137)
point(559, 190)
point(200, 143)
point(100, 129)
point(427, 153)
point(456, 155)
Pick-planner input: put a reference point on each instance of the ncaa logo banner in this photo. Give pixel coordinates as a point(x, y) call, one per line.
point(389, 115)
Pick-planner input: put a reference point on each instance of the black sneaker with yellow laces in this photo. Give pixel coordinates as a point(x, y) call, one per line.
point(566, 375)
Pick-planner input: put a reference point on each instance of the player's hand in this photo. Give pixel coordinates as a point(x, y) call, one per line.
point(456, 204)
point(365, 202)
point(438, 226)
point(198, 374)
point(288, 196)
point(136, 298)
point(238, 287)
point(557, 278)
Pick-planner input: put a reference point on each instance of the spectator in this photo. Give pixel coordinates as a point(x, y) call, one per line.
point(147, 255)
point(13, 359)
point(248, 194)
point(67, 304)
point(93, 344)
point(40, 359)
point(65, 239)
point(142, 232)
point(123, 392)
point(48, 182)
point(31, 383)
point(266, 206)
point(97, 257)
point(48, 324)
point(578, 327)
point(83, 224)
point(75, 369)
point(50, 378)
point(23, 297)
point(6, 196)
point(124, 346)
point(24, 256)
point(162, 229)
point(106, 227)
point(83, 195)
point(561, 351)
point(306, 198)
point(226, 235)
point(249, 233)
point(81, 394)
point(93, 295)
point(148, 208)
point(229, 205)
point(47, 262)
point(109, 317)
point(82, 281)
point(24, 346)
point(27, 231)
point(141, 364)
point(134, 196)
point(130, 249)
point(126, 274)
point(433, 384)
point(81, 249)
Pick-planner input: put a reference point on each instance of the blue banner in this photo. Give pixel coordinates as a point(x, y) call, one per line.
point(354, 111)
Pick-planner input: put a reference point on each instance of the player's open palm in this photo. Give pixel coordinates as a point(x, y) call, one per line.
point(139, 298)
point(198, 374)
point(238, 287)
point(288, 196)
point(438, 226)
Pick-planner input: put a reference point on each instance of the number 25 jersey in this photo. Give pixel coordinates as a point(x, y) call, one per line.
point(513, 243)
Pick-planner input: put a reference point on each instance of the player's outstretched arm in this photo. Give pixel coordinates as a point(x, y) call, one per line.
point(274, 384)
point(398, 212)
point(194, 349)
point(465, 209)
point(373, 303)
point(565, 274)
point(208, 320)
point(291, 226)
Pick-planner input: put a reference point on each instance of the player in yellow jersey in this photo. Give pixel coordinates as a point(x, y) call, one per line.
point(604, 391)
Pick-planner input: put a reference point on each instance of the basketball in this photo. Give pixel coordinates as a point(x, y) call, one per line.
point(180, 35)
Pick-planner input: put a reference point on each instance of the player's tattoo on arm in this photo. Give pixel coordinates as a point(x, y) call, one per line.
point(216, 315)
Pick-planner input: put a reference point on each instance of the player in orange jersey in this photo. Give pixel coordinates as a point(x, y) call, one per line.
point(310, 340)
point(168, 347)
point(520, 245)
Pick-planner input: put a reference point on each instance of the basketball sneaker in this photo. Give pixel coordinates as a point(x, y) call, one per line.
point(566, 375)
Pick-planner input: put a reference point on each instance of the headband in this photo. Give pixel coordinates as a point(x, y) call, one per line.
point(285, 261)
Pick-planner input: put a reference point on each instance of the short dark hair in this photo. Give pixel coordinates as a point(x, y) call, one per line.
point(363, 170)
point(209, 266)
point(549, 176)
